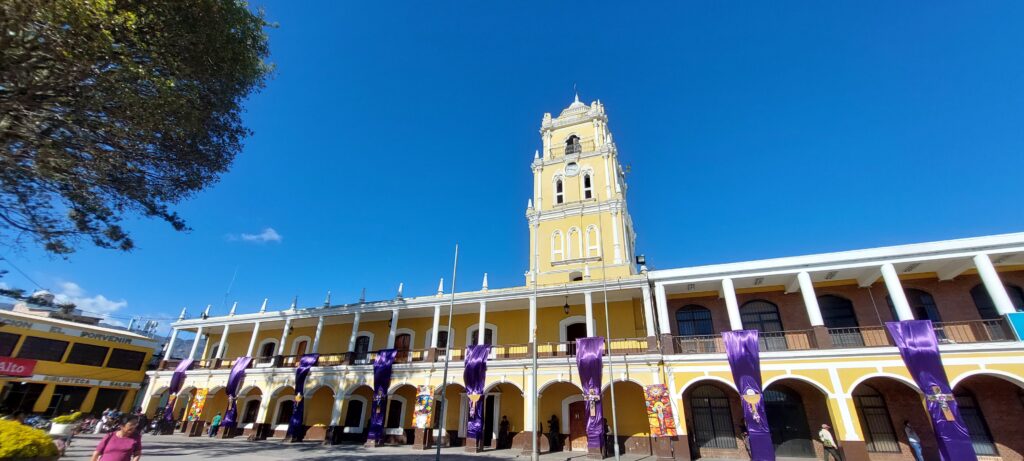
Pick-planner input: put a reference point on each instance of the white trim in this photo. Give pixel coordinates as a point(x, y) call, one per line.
point(587, 172)
point(264, 343)
point(557, 237)
point(362, 415)
point(277, 407)
point(821, 387)
point(554, 188)
point(569, 246)
point(475, 328)
point(369, 347)
point(563, 336)
point(430, 335)
point(596, 244)
point(1012, 378)
point(401, 418)
point(412, 336)
point(242, 404)
point(297, 340)
point(565, 410)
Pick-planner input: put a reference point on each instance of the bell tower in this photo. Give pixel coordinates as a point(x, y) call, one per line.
point(580, 228)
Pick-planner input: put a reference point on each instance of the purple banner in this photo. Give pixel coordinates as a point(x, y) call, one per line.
point(745, 362)
point(381, 383)
point(177, 379)
point(589, 356)
point(920, 351)
point(474, 376)
point(234, 381)
point(295, 424)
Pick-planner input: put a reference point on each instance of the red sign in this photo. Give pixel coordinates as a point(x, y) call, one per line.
point(10, 366)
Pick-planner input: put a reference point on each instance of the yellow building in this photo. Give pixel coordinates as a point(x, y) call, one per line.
point(61, 366)
point(825, 355)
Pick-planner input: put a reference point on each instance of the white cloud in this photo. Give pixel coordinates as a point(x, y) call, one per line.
point(267, 235)
point(97, 305)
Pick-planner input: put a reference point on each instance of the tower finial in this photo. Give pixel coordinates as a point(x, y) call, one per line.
point(182, 316)
point(263, 307)
point(485, 282)
point(327, 302)
point(400, 286)
point(362, 296)
point(440, 287)
point(295, 303)
point(233, 307)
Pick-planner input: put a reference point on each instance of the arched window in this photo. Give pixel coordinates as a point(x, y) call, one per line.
point(394, 419)
point(557, 246)
point(588, 189)
point(252, 408)
point(213, 351)
point(572, 145)
point(362, 347)
point(268, 349)
point(593, 242)
point(981, 438)
point(987, 308)
point(559, 192)
point(841, 321)
point(284, 412)
point(474, 335)
point(574, 242)
point(712, 418)
point(875, 420)
point(787, 419)
point(354, 414)
point(402, 344)
point(763, 316)
point(694, 320)
point(922, 305)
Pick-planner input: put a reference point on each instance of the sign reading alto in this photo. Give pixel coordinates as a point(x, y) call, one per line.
point(10, 366)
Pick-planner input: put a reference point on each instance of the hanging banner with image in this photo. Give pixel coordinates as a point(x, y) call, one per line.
point(234, 382)
point(920, 351)
point(381, 383)
point(745, 361)
point(295, 424)
point(589, 361)
point(177, 379)
point(659, 411)
point(474, 376)
point(198, 402)
point(424, 406)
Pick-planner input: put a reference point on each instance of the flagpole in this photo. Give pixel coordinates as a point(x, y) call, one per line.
point(535, 452)
point(608, 337)
point(447, 357)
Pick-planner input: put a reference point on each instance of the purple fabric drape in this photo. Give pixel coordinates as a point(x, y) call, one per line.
point(589, 356)
point(744, 360)
point(177, 379)
point(475, 375)
point(234, 381)
point(301, 372)
point(920, 351)
point(381, 383)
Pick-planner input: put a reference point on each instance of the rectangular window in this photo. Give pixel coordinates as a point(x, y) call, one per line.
point(126, 360)
point(42, 349)
point(7, 343)
point(87, 354)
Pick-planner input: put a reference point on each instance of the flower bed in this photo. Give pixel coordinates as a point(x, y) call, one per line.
point(18, 441)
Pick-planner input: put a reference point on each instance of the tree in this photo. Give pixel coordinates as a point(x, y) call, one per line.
point(111, 108)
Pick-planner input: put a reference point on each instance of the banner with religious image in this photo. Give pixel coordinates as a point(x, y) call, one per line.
point(234, 382)
point(381, 384)
point(298, 410)
point(659, 411)
point(474, 376)
point(919, 348)
point(195, 410)
point(589, 361)
point(745, 361)
point(424, 406)
point(177, 379)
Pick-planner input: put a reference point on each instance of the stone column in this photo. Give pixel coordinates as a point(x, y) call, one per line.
point(284, 337)
point(818, 329)
point(588, 303)
point(220, 347)
point(352, 339)
point(195, 343)
point(482, 327)
point(169, 348)
point(334, 429)
point(994, 286)
point(316, 337)
point(895, 288)
point(252, 339)
point(664, 327)
point(731, 304)
point(652, 333)
point(393, 329)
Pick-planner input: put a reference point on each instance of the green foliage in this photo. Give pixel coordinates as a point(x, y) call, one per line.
point(20, 441)
point(67, 419)
point(117, 107)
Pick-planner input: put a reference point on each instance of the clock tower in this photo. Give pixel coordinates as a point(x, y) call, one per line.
point(580, 229)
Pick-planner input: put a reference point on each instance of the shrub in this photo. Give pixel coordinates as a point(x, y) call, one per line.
point(67, 419)
point(20, 441)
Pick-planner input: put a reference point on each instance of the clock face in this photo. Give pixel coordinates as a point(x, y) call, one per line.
point(572, 169)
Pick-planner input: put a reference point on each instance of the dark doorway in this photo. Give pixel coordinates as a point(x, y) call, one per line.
point(66, 399)
point(267, 350)
point(251, 409)
point(354, 413)
point(577, 426)
point(488, 421)
point(21, 396)
point(841, 321)
point(763, 316)
point(574, 332)
point(474, 338)
point(394, 419)
point(284, 414)
point(300, 350)
point(108, 398)
point(362, 348)
point(787, 419)
point(402, 342)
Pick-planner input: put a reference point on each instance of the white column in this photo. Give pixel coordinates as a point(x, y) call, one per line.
point(995, 287)
point(607, 178)
point(316, 337)
point(482, 328)
point(223, 342)
point(662, 306)
point(810, 300)
point(648, 310)
point(899, 298)
point(537, 202)
point(339, 402)
point(437, 324)
point(252, 339)
point(170, 343)
point(394, 327)
point(588, 303)
point(732, 306)
point(195, 343)
point(284, 336)
point(617, 249)
point(533, 321)
point(355, 333)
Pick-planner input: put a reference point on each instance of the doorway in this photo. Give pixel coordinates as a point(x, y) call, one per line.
point(108, 398)
point(66, 399)
point(488, 416)
point(21, 396)
point(402, 342)
point(572, 333)
point(787, 419)
point(578, 426)
point(249, 414)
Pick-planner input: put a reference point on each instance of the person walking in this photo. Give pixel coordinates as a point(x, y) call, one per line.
point(120, 445)
point(829, 443)
point(914, 440)
point(214, 425)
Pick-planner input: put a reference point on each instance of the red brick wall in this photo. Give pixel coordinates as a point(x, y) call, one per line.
point(904, 404)
point(1002, 406)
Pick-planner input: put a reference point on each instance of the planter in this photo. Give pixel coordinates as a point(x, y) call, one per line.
point(61, 429)
point(315, 434)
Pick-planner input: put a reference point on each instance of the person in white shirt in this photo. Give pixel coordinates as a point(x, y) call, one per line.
point(914, 440)
point(831, 449)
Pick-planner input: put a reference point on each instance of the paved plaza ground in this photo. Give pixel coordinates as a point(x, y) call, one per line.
point(177, 447)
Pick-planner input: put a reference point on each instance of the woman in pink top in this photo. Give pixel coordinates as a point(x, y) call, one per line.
point(121, 445)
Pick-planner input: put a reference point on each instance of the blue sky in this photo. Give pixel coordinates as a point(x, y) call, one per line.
point(391, 131)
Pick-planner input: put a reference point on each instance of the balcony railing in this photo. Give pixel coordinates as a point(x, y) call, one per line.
point(584, 145)
point(510, 351)
point(703, 344)
point(973, 331)
point(794, 340)
point(627, 346)
point(875, 336)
